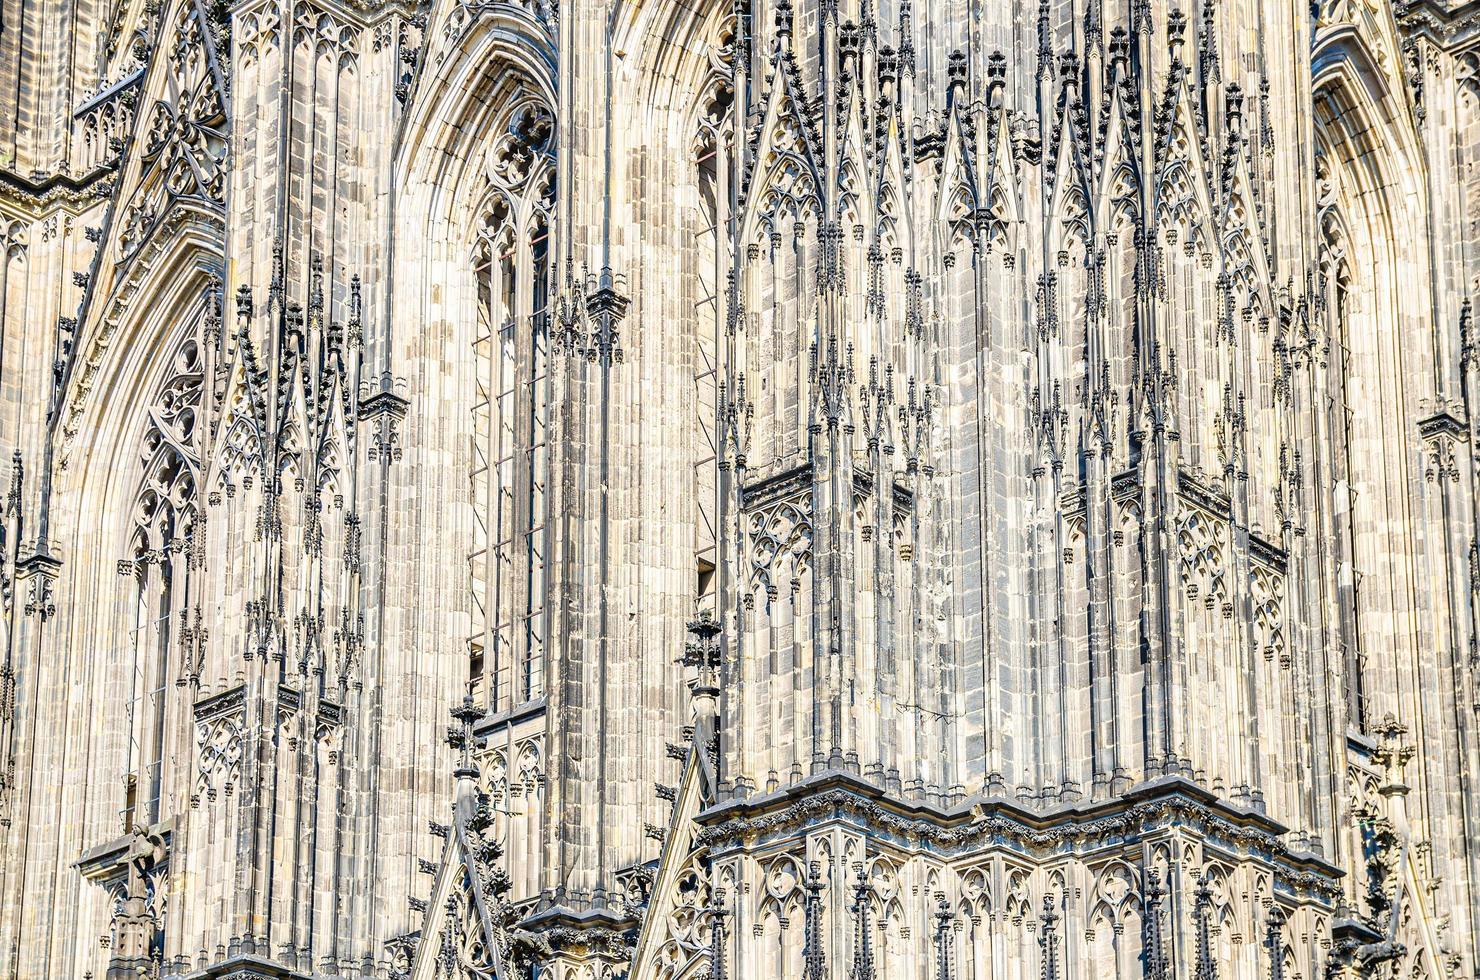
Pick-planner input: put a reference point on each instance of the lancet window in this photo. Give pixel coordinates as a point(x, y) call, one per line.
point(712, 168)
point(1366, 313)
point(510, 458)
point(1345, 464)
point(161, 529)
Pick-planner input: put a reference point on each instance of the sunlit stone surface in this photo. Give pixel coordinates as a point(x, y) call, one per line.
point(762, 490)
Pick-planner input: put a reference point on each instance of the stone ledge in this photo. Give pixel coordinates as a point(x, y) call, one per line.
point(246, 967)
point(980, 824)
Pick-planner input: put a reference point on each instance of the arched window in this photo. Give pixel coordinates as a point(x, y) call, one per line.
point(1374, 334)
point(1337, 281)
point(709, 261)
point(162, 525)
point(510, 413)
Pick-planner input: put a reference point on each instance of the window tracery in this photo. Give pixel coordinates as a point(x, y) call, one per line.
point(711, 152)
point(510, 460)
point(1361, 311)
point(162, 529)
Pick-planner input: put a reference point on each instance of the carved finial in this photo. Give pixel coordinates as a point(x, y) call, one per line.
point(945, 921)
point(1176, 33)
point(243, 305)
point(718, 934)
point(888, 70)
point(275, 288)
point(1234, 106)
point(1045, 41)
point(996, 78)
point(1120, 48)
point(783, 23)
point(814, 961)
point(1208, 63)
point(1156, 959)
point(461, 738)
point(316, 285)
point(849, 42)
point(356, 313)
point(1048, 940)
point(1274, 922)
point(1069, 73)
point(863, 942)
point(1204, 968)
point(704, 656)
point(1466, 339)
point(17, 479)
point(956, 74)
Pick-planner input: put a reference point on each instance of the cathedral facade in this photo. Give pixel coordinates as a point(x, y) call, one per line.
point(739, 489)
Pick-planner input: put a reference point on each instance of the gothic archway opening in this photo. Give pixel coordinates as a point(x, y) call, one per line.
point(713, 143)
point(1365, 308)
point(509, 477)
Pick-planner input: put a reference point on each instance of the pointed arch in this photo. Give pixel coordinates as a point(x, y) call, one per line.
point(132, 493)
point(1381, 362)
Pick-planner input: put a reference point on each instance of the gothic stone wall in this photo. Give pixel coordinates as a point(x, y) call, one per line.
point(1050, 401)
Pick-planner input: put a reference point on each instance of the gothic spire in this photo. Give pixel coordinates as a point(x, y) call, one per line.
point(1045, 42)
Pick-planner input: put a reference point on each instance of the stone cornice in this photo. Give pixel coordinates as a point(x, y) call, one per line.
point(35, 198)
point(780, 485)
point(563, 916)
point(1002, 824)
point(1442, 424)
point(228, 701)
point(384, 402)
point(104, 863)
point(245, 967)
point(361, 13)
point(1205, 497)
point(39, 563)
point(585, 933)
point(513, 716)
point(1450, 26)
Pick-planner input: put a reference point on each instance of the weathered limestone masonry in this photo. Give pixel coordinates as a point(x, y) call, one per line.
point(884, 488)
